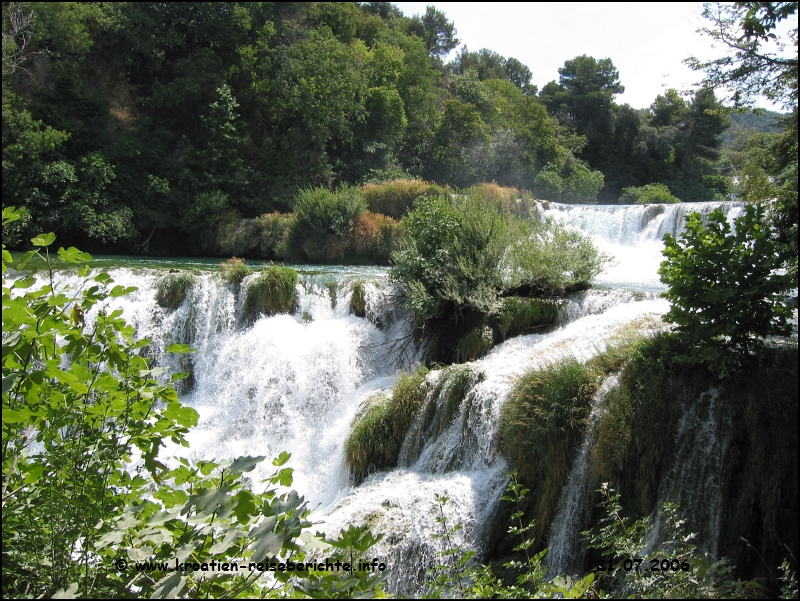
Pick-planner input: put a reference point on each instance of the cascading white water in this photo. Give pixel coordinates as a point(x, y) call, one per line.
point(632, 235)
point(295, 382)
point(565, 553)
point(694, 480)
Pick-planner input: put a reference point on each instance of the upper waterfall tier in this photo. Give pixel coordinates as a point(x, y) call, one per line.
point(633, 235)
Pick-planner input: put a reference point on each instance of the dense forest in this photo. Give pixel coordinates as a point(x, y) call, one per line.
point(126, 123)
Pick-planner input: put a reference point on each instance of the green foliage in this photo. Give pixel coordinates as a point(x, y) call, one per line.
point(272, 292)
point(358, 301)
point(172, 289)
point(78, 388)
point(541, 427)
point(522, 314)
point(700, 576)
point(78, 520)
point(458, 576)
point(234, 271)
point(395, 198)
point(724, 286)
point(379, 430)
point(572, 182)
point(649, 194)
point(322, 219)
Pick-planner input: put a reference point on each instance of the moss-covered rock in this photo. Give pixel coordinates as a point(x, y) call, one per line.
point(379, 429)
point(358, 299)
point(272, 292)
point(172, 289)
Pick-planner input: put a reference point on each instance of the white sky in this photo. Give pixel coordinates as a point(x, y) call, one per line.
point(646, 41)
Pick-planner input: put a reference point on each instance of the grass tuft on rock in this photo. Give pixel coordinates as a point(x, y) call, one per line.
point(172, 289)
point(519, 315)
point(272, 292)
point(378, 431)
point(541, 428)
point(234, 271)
point(475, 344)
point(358, 299)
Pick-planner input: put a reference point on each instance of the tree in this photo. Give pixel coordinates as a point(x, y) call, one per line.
point(752, 68)
point(18, 32)
point(757, 63)
point(583, 100)
point(438, 33)
point(724, 286)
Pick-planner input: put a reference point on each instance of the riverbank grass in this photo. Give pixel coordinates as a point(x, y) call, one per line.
point(272, 292)
point(173, 288)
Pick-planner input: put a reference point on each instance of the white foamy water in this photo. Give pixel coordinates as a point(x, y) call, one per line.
point(295, 383)
point(632, 235)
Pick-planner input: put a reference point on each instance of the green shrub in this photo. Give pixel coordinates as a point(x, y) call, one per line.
point(274, 228)
point(237, 236)
point(234, 271)
point(322, 220)
point(554, 260)
point(373, 239)
point(724, 287)
point(395, 198)
point(378, 432)
point(172, 289)
point(272, 292)
point(358, 300)
point(649, 194)
point(541, 427)
point(460, 254)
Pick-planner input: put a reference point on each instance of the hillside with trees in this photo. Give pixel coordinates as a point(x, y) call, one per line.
point(125, 124)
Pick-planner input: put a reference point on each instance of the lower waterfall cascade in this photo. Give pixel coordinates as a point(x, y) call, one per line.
point(296, 382)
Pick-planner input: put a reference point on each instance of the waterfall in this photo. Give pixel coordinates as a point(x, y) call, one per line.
point(295, 383)
point(631, 235)
point(565, 552)
point(694, 479)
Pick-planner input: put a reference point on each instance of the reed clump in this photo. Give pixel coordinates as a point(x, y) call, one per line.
point(373, 239)
point(541, 428)
point(238, 236)
point(448, 395)
point(172, 289)
point(234, 271)
point(358, 299)
point(519, 315)
point(377, 433)
point(323, 220)
point(506, 199)
point(273, 230)
point(396, 197)
point(475, 343)
point(272, 292)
